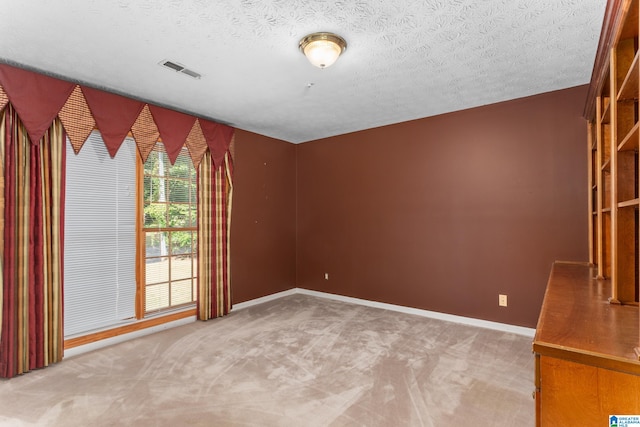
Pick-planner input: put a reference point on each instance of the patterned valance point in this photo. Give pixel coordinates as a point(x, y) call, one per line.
point(38, 99)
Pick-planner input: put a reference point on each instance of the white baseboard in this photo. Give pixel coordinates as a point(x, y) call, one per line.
point(520, 330)
point(264, 299)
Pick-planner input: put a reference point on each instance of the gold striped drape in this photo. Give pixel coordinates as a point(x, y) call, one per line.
point(33, 176)
point(215, 192)
point(3, 127)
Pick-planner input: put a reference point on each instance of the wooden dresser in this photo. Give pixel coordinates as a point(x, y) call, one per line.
point(586, 364)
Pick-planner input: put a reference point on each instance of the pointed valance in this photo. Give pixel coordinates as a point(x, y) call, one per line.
point(174, 127)
point(38, 99)
point(77, 119)
point(216, 135)
point(114, 116)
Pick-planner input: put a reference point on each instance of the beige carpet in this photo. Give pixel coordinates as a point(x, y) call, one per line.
point(295, 361)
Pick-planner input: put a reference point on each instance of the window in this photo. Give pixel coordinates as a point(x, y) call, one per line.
point(169, 231)
point(115, 215)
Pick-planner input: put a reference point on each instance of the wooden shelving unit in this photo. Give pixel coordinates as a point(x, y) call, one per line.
point(602, 184)
point(592, 162)
point(587, 342)
point(614, 131)
point(624, 72)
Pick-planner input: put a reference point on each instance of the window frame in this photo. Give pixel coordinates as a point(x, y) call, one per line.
point(141, 230)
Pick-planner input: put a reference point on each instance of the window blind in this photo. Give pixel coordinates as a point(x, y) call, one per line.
point(100, 237)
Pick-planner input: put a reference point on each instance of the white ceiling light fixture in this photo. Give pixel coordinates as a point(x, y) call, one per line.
point(322, 49)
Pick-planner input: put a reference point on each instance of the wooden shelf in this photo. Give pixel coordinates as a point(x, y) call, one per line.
point(630, 141)
point(576, 318)
point(634, 203)
point(629, 88)
point(605, 118)
point(630, 22)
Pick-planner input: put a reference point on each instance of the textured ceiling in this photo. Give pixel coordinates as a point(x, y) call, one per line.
point(405, 59)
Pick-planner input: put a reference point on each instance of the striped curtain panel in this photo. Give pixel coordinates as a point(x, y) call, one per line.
point(215, 192)
point(32, 200)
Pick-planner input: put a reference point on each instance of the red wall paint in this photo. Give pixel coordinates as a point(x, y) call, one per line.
point(263, 218)
point(445, 213)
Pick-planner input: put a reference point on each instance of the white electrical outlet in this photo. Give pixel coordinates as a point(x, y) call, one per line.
point(502, 300)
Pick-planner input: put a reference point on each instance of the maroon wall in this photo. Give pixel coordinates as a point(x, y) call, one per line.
point(446, 212)
point(263, 231)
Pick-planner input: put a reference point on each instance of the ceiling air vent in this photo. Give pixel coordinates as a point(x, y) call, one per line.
point(172, 65)
point(191, 73)
point(180, 68)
